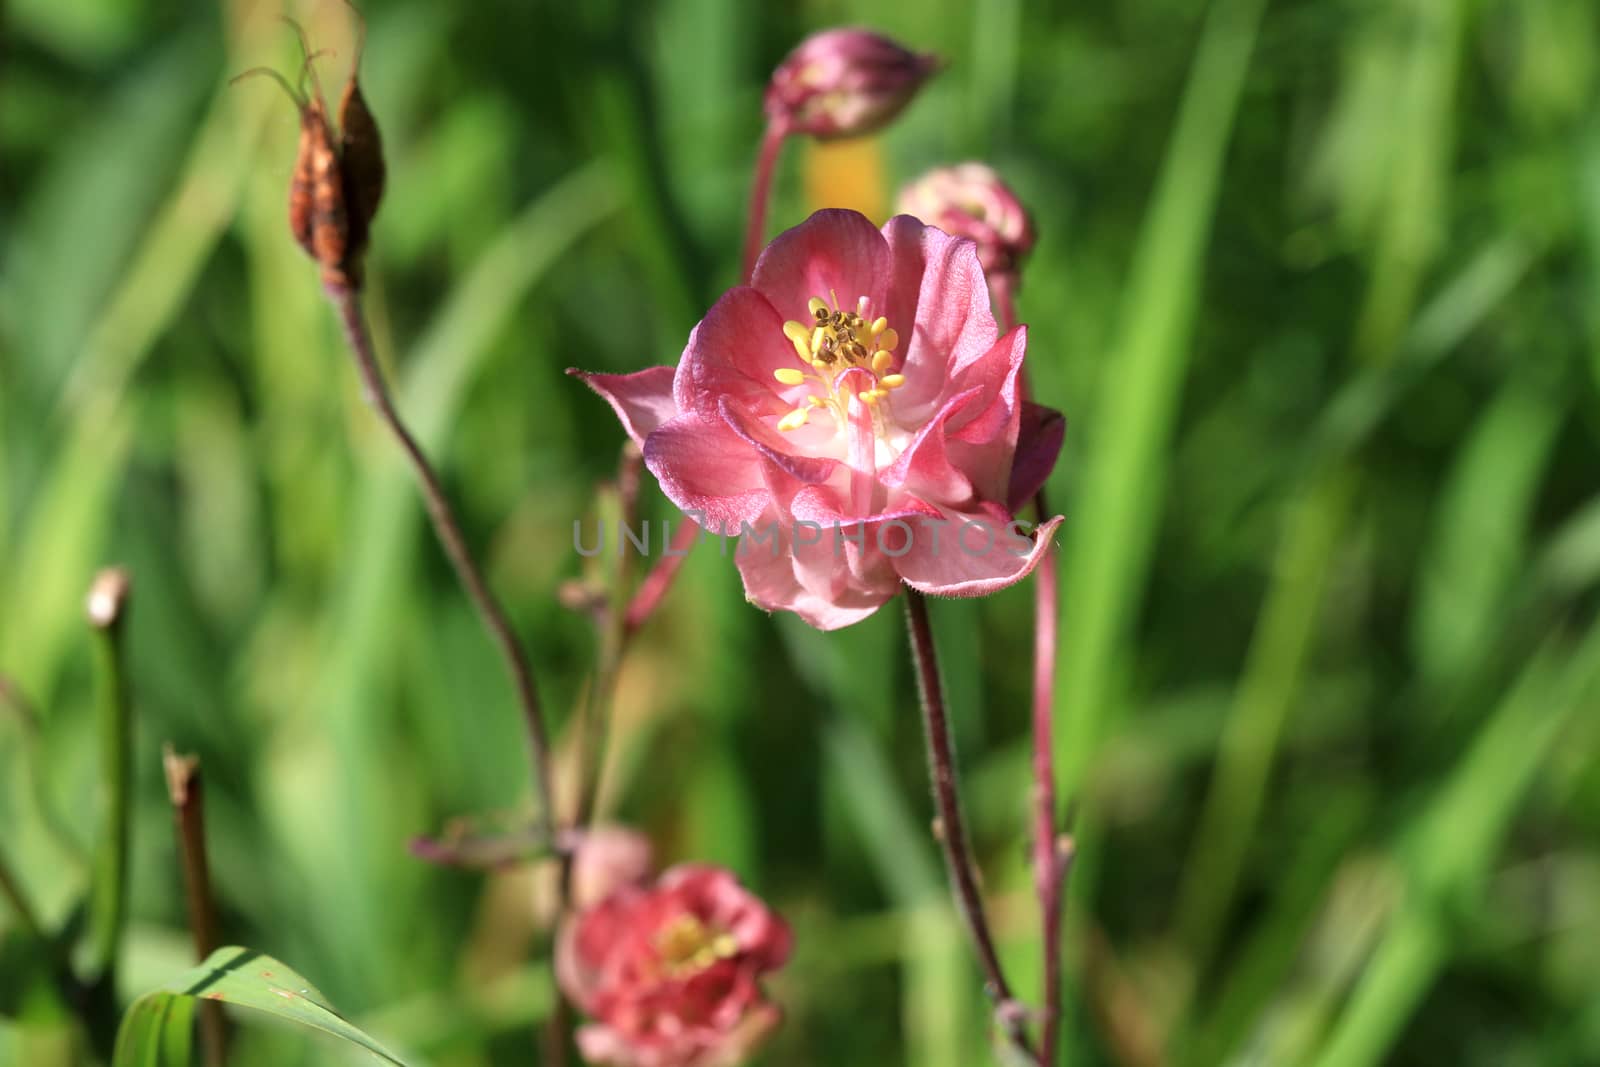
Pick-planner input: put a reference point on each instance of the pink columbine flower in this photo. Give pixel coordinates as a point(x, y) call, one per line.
point(845, 83)
point(970, 200)
point(670, 973)
point(853, 414)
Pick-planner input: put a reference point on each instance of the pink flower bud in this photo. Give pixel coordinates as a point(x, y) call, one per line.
point(969, 200)
point(608, 858)
point(845, 83)
point(669, 973)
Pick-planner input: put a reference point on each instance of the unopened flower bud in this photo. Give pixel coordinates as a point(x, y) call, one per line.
point(969, 200)
point(845, 83)
point(338, 174)
point(108, 597)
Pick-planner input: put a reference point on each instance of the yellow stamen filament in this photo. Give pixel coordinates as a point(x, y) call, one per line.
point(835, 344)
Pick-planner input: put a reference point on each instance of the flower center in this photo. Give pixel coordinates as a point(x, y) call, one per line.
point(686, 945)
point(846, 354)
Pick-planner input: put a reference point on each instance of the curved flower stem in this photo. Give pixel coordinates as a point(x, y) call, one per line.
point(1051, 854)
point(1002, 290)
point(448, 529)
point(655, 585)
point(952, 828)
point(613, 631)
point(761, 192)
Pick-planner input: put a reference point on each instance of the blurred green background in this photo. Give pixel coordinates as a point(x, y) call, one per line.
point(1316, 287)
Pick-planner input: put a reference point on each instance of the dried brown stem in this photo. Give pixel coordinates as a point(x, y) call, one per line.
point(186, 792)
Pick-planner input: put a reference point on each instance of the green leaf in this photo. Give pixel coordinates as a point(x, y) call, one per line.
point(157, 1030)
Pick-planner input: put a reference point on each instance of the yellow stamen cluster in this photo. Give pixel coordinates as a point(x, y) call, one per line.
point(832, 343)
point(687, 945)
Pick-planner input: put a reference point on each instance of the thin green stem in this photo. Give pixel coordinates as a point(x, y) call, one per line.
point(107, 611)
point(761, 194)
point(11, 889)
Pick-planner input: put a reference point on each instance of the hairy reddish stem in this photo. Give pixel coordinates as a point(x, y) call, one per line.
point(1049, 854)
point(655, 585)
point(1049, 859)
point(448, 529)
point(952, 828)
point(761, 193)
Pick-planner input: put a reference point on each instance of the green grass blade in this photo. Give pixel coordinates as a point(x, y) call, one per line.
point(1451, 848)
point(1107, 553)
point(156, 1031)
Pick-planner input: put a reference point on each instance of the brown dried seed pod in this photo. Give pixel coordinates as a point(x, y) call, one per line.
point(338, 177)
point(330, 217)
point(300, 189)
point(361, 150)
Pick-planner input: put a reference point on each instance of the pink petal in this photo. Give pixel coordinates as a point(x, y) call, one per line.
point(996, 373)
point(803, 571)
point(1039, 440)
point(963, 562)
point(600, 1044)
point(704, 466)
point(983, 436)
point(924, 468)
point(643, 400)
point(832, 251)
point(939, 303)
point(732, 355)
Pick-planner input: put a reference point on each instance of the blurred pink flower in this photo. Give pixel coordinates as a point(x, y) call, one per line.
point(851, 457)
point(670, 973)
point(970, 200)
point(844, 83)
